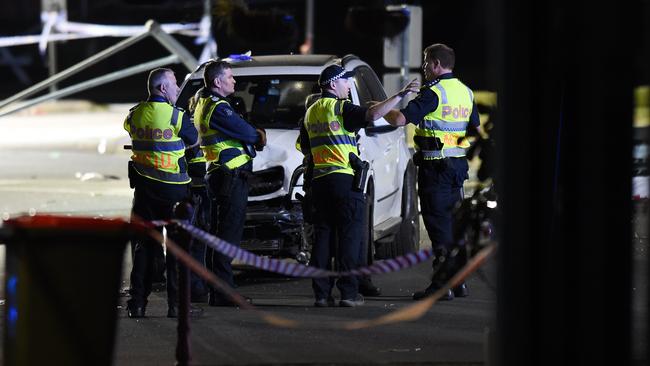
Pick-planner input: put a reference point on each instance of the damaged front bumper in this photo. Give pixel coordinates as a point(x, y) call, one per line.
point(275, 227)
point(275, 230)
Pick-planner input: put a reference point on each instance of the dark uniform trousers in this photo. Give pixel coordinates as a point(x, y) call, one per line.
point(154, 200)
point(440, 188)
point(200, 219)
point(228, 197)
point(338, 230)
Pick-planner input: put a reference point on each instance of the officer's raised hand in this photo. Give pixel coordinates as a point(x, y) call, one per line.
point(412, 87)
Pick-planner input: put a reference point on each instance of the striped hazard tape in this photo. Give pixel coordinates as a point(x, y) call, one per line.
point(408, 313)
point(300, 270)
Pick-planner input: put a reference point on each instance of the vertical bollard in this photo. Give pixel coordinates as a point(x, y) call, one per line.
point(183, 211)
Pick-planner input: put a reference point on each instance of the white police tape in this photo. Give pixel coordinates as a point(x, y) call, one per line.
point(299, 270)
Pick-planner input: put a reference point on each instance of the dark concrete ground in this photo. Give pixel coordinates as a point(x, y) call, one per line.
point(450, 332)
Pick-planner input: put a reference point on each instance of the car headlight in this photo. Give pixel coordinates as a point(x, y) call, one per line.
point(265, 181)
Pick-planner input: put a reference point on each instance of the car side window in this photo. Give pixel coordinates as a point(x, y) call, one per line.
point(372, 82)
point(374, 92)
point(189, 89)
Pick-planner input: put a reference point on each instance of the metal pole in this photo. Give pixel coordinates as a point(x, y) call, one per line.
point(406, 65)
point(309, 26)
point(97, 81)
point(51, 63)
point(172, 45)
point(74, 69)
point(183, 211)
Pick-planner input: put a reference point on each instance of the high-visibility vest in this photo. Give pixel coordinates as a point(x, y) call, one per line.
point(156, 146)
point(449, 121)
point(330, 143)
point(214, 142)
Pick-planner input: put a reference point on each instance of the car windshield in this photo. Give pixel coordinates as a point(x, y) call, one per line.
point(273, 101)
point(276, 101)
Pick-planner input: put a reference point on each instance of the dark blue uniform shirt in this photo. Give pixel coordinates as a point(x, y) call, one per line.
point(427, 102)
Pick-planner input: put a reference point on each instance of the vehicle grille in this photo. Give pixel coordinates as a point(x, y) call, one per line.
point(266, 181)
point(261, 245)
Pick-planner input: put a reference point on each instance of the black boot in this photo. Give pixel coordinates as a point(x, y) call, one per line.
point(419, 295)
point(443, 266)
point(367, 288)
point(135, 310)
point(461, 290)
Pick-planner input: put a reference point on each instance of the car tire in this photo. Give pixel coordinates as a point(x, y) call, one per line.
point(407, 239)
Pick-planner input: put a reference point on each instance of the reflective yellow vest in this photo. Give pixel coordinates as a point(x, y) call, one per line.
point(449, 121)
point(214, 142)
point(330, 143)
point(156, 146)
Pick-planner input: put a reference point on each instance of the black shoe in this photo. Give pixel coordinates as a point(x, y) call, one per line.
point(461, 290)
point(135, 311)
point(419, 295)
point(220, 301)
point(172, 312)
point(367, 288)
point(195, 311)
point(352, 303)
point(323, 303)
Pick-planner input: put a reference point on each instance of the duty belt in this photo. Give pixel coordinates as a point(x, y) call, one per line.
point(318, 172)
point(452, 152)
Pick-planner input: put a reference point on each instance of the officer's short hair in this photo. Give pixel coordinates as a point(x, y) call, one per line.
point(156, 78)
point(442, 53)
point(214, 69)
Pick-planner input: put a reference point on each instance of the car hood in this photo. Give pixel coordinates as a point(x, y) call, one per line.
point(280, 150)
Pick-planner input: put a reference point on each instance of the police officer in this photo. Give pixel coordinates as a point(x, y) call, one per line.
point(444, 111)
point(328, 133)
point(160, 133)
point(366, 286)
point(229, 144)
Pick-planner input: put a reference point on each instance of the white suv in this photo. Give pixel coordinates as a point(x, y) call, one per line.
point(271, 92)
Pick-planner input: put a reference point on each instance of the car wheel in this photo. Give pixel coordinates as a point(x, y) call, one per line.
point(368, 238)
point(407, 239)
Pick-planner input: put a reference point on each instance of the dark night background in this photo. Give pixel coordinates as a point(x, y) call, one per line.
point(239, 32)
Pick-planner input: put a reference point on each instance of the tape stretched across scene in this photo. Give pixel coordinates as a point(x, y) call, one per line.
point(300, 270)
point(408, 313)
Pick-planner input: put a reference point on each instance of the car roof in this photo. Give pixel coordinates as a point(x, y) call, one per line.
point(284, 60)
point(280, 65)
